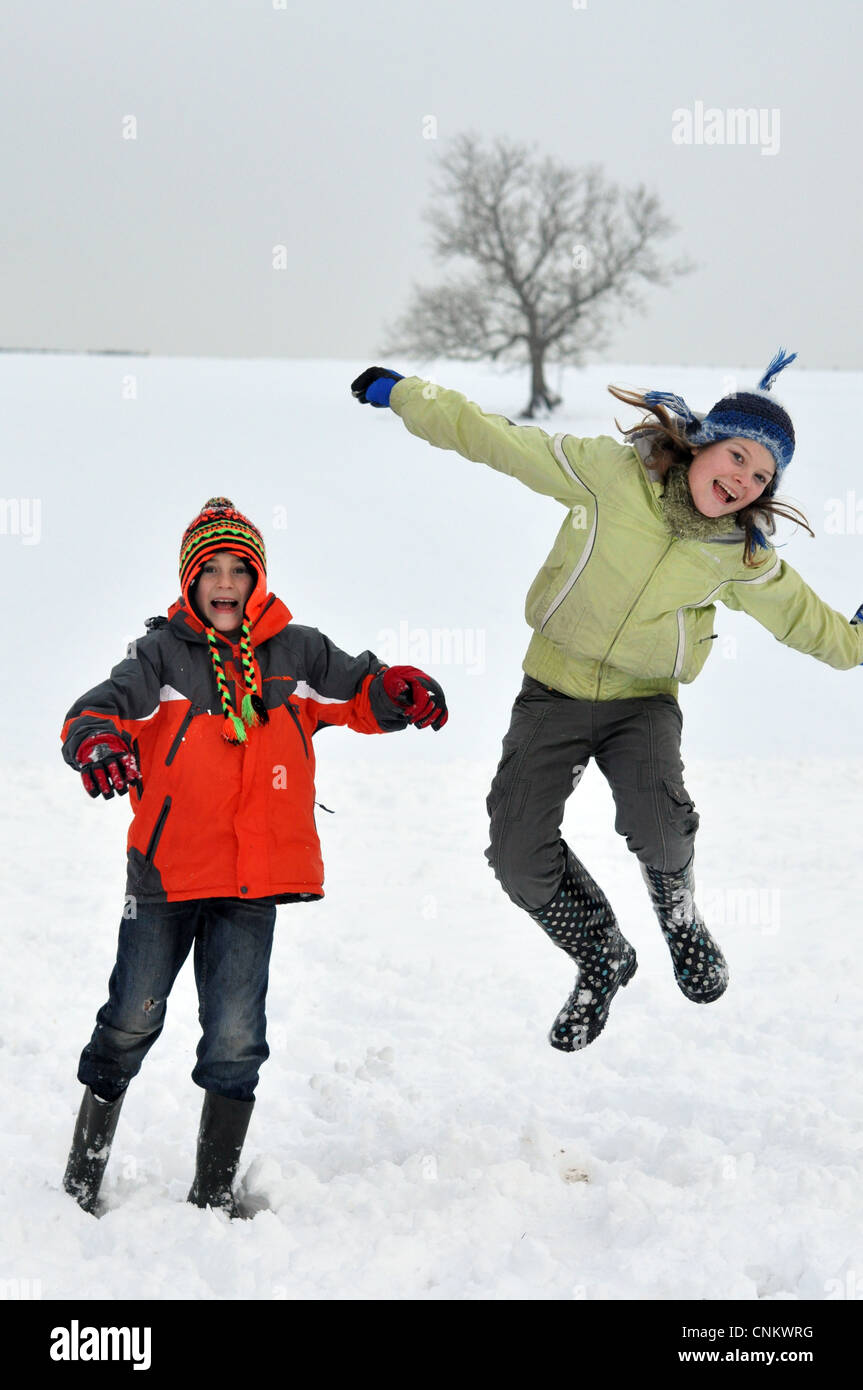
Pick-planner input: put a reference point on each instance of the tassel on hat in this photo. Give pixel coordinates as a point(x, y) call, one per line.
point(671, 402)
point(779, 363)
point(219, 526)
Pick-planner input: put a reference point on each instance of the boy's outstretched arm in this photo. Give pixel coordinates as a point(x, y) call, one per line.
point(784, 603)
point(560, 466)
point(361, 691)
point(98, 730)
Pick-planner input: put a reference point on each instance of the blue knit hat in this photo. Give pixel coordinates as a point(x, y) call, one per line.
point(743, 415)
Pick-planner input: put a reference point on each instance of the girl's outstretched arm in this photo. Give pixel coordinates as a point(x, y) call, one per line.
point(561, 466)
point(784, 603)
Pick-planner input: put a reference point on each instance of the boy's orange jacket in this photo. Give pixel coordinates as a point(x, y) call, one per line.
point(216, 819)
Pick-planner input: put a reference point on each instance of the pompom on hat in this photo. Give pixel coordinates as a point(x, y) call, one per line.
point(219, 526)
point(743, 415)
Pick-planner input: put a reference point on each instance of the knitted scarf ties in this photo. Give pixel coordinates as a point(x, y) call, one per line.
point(252, 709)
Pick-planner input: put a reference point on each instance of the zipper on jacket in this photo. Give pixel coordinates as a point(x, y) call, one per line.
point(681, 644)
point(157, 831)
point(680, 659)
point(628, 615)
point(681, 628)
point(681, 640)
point(137, 756)
point(190, 715)
point(296, 718)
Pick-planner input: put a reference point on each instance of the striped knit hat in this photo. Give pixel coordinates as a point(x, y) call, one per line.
point(219, 526)
point(744, 415)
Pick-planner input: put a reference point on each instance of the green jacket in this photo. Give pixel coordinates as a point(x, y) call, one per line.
point(621, 607)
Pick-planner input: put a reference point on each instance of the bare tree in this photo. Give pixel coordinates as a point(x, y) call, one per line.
point(555, 255)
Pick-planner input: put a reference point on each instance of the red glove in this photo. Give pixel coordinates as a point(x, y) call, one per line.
point(420, 698)
point(107, 765)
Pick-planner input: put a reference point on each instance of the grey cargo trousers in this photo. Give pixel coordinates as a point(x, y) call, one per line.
point(550, 740)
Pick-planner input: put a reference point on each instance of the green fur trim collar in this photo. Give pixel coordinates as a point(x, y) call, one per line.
point(682, 517)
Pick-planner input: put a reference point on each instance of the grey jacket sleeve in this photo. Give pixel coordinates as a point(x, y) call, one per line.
point(345, 689)
point(118, 704)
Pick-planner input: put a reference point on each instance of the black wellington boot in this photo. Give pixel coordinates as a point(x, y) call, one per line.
point(91, 1147)
point(699, 966)
point(221, 1136)
point(579, 919)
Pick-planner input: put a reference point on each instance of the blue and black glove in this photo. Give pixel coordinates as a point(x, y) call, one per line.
point(373, 386)
point(858, 618)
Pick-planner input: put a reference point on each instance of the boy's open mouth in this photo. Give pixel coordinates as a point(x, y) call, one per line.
point(223, 605)
point(722, 492)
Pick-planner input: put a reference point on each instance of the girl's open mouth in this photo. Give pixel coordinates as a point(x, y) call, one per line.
point(722, 492)
point(223, 605)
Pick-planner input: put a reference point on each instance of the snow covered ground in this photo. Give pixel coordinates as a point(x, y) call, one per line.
point(415, 1137)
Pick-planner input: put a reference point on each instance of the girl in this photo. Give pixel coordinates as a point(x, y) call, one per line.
point(208, 722)
point(656, 530)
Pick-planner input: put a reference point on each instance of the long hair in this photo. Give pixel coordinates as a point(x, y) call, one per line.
point(671, 446)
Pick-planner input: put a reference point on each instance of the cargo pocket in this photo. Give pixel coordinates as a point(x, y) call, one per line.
point(508, 793)
point(498, 786)
point(684, 816)
point(508, 785)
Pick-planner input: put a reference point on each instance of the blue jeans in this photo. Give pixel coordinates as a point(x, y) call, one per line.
point(233, 940)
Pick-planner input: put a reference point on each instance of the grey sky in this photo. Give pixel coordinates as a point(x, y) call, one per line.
point(303, 126)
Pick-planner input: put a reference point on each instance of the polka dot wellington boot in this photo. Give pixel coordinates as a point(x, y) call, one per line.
point(699, 965)
point(579, 919)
